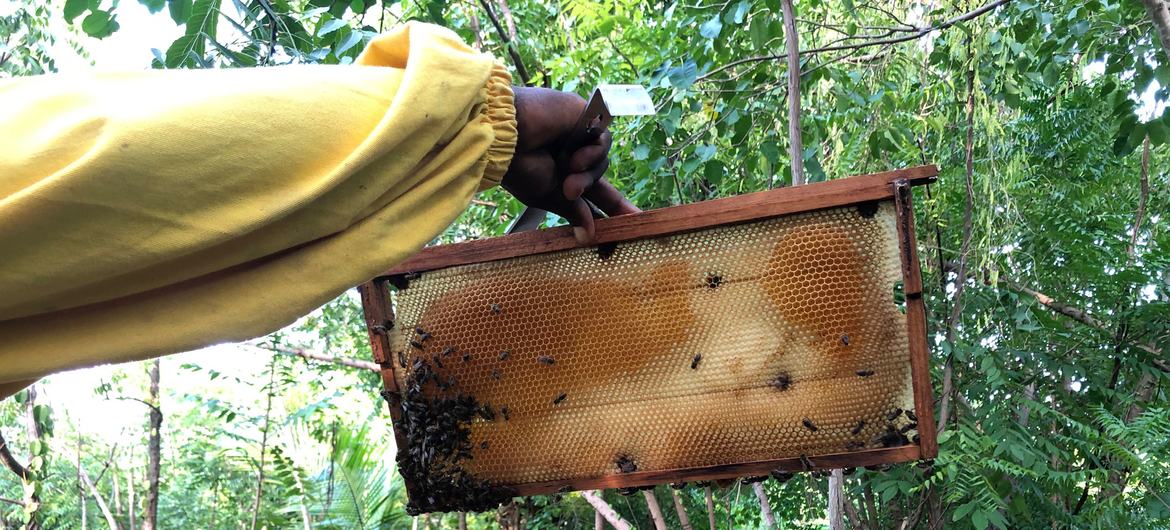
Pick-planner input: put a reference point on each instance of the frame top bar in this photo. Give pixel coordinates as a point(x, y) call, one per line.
point(675, 219)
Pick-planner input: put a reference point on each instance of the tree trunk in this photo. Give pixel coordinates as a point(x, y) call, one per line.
point(710, 508)
point(263, 445)
point(131, 506)
point(305, 520)
point(117, 497)
point(655, 510)
point(508, 18)
point(462, 520)
point(683, 520)
point(606, 511)
point(792, 43)
point(332, 458)
point(80, 488)
point(214, 502)
point(1160, 15)
point(836, 500)
point(154, 458)
point(765, 506)
point(598, 521)
point(35, 434)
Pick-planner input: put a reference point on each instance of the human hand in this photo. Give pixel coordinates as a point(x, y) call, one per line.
point(541, 178)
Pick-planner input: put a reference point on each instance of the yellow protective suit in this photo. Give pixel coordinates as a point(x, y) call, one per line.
point(154, 212)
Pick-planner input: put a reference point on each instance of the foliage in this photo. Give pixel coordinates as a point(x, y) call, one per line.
point(1049, 424)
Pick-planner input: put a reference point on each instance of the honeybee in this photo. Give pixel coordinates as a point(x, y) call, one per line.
point(625, 464)
point(808, 424)
point(545, 359)
point(865, 373)
point(560, 397)
point(782, 381)
point(857, 429)
point(805, 462)
point(695, 360)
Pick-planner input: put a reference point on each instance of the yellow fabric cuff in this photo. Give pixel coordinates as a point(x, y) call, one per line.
point(500, 112)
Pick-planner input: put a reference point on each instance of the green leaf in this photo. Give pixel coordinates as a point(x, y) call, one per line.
point(74, 8)
point(1158, 131)
point(979, 520)
point(705, 152)
point(154, 6)
point(711, 28)
point(713, 171)
point(641, 152)
point(740, 11)
point(770, 151)
point(181, 50)
point(329, 27)
point(99, 24)
point(758, 32)
point(180, 10)
point(1051, 74)
point(349, 42)
point(682, 77)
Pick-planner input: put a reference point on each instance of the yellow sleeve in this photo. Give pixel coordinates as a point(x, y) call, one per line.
point(149, 213)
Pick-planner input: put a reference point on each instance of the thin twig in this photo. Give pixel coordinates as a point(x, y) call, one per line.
point(921, 32)
point(272, 31)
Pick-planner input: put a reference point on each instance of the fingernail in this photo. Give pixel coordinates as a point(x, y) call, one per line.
point(581, 234)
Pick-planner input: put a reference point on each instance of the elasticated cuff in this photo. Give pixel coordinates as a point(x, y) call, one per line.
point(499, 112)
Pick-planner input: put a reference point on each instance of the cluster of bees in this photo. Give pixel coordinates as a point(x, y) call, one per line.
point(438, 439)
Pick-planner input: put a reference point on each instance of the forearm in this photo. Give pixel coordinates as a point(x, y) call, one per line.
point(175, 192)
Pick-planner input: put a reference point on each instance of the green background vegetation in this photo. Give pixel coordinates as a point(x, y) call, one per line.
point(1047, 284)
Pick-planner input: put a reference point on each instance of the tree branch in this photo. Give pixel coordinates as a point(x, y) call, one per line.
point(12, 501)
point(919, 33)
point(512, 52)
point(765, 506)
point(606, 511)
point(317, 356)
point(655, 510)
point(144, 402)
point(681, 510)
point(1159, 13)
point(10, 461)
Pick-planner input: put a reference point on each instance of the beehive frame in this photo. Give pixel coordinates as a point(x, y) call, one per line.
point(893, 186)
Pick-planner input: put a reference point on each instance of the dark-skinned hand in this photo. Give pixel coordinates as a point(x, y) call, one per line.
point(544, 120)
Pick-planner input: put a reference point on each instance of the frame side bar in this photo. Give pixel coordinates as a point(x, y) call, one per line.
point(664, 221)
point(915, 319)
point(379, 315)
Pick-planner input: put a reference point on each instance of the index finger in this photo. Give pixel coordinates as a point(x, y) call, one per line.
point(609, 199)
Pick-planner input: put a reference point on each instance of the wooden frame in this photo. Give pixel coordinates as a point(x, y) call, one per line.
point(892, 185)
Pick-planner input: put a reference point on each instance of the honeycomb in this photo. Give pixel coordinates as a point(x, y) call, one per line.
point(727, 345)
